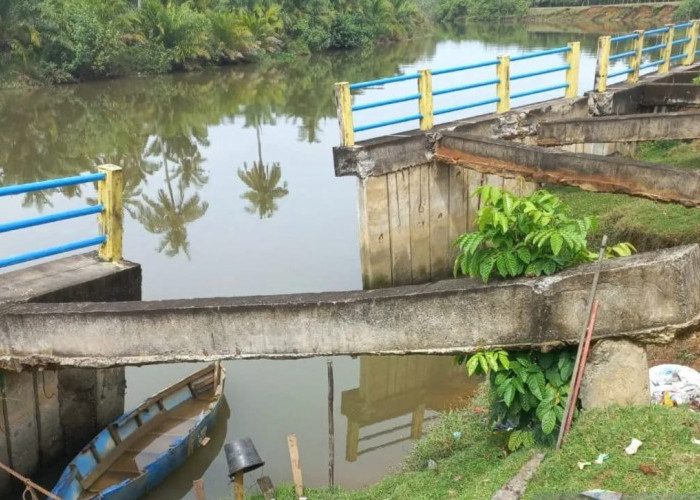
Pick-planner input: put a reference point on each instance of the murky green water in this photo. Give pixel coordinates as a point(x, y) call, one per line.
point(229, 190)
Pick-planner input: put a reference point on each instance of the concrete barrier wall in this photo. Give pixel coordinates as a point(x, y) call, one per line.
point(410, 218)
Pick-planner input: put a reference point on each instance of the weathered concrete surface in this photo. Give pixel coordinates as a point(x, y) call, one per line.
point(628, 128)
point(444, 317)
point(617, 372)
point(671, 94)
point(589, 172)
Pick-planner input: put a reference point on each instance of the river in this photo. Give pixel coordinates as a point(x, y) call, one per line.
point(229, 190)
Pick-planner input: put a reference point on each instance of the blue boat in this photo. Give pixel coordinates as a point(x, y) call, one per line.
point(141, 448)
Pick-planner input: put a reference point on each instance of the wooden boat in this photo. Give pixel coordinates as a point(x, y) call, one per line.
point(142, 447)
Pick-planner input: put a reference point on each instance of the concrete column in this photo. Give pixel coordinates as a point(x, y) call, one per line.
point(617, 372)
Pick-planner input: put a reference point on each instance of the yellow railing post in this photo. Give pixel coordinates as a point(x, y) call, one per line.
point(343, 105)
point(666, 51)
point(692, 45)
point(503, 85)
point(602, 63)
point(425, 102)
point(636, 60)
point(573, 59)
point(111, 220)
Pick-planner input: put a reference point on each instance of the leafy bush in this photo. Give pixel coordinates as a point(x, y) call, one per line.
point(452, 10)
point(349, 31)
point(688, 9)
point(530, 236)
point(528, 392)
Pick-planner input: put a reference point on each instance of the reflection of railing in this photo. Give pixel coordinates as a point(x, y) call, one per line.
point(108, 208)
point(425, 93)
point(638, 48)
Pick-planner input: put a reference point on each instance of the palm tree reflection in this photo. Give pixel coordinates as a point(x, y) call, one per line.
point(263, 182)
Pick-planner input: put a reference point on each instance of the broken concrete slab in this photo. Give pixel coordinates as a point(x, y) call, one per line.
point(671, 94)
point(589, 172)
point(648, 297)
point(628, 128)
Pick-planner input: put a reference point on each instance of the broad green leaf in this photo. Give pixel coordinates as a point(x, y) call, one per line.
point(549, 422)
point(483, 363)
point(472, 365)
point(509, 395)
point(555, 242)
point(503, 358)
point(492, 359)
point(524, 255)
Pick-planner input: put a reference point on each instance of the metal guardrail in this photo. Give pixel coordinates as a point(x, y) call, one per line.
point(636, 49)
point(425, 94)
point(109, 210)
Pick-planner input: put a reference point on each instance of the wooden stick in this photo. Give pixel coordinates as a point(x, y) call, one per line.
point(331, 428)
point(199, 494)
point(296, 469)
point(571, 403)
point(584, 357)
point(238, 485)
point(29, 482)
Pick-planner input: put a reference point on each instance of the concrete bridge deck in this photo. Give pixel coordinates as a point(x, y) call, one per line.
point(649, 297)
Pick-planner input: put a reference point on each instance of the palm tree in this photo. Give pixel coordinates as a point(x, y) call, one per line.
point(262, 180)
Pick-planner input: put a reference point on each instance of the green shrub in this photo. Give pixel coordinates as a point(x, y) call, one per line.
point(688, 9)
point(349, 31)
point(530, 235)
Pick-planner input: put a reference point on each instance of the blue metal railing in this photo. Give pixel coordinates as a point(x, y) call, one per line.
point(629, 55)
point(48, 219)
point(449, 90)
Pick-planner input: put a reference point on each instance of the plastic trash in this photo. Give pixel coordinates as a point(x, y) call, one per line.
point(432, 464)
point(674, 385)
point(633, 447)
point(601, 458)
point(456, 434)
point(602, 495)
point(696, 441)
point(581, 465)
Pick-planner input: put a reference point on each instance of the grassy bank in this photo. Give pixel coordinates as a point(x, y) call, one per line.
point(476, 465)
point(646, 224)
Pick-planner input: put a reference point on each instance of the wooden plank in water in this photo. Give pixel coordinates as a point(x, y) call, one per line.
point(375, 239)
point(296, 468)
point(439, 180)
point(399, 227)
point(420, 223)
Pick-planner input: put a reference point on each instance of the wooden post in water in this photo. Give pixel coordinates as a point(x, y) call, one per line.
point(111, 220)
point(666, 51)
point(198, 486)
point(343, 105)
point(425, 102)
point(635, 61)
point(331, 427)
point(296, 468)
point(691, 46)
point(602, 63)
point(503, 85)
point(573, 59)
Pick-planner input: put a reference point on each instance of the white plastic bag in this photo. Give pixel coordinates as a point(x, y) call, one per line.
point(681, 383)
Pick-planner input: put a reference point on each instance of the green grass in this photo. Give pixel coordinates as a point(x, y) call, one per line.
point(646, 224)
point(472, 466)
point(667, 450)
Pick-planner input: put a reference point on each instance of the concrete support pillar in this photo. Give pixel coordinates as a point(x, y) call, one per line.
point(617, 372)
point(89, 400)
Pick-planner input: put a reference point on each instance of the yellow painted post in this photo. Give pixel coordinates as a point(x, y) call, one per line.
point(111, 220)
point(692, 45)
point(636, 60)
point(573, 59)
point(666, 51)
point(602, 63)
point(503, 85)
point(425, 103)
point(343, 106)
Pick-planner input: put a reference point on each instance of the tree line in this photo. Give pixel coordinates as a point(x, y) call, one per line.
point(70, 40)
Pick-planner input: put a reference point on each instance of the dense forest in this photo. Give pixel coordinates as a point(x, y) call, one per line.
point(67, 40)
point(56, 41)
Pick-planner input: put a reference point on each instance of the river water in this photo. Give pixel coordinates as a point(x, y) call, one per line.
point(229, 190)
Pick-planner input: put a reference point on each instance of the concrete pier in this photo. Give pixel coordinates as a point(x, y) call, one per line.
point(50, 413)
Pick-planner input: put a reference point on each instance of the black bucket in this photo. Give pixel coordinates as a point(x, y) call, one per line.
point(242, 456)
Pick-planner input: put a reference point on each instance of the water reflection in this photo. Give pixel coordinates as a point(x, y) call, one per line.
point(263, 180)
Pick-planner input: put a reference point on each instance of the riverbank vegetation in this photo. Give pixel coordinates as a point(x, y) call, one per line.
point(71, 40)
point(478, 463)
